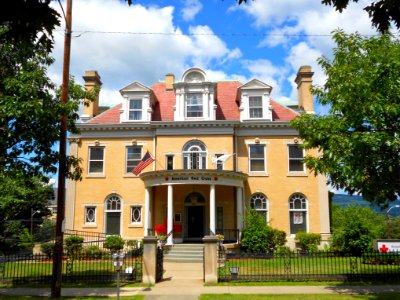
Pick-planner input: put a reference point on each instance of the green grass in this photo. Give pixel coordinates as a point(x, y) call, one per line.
point(388, 296)
point(315, 267)
point(6, 297)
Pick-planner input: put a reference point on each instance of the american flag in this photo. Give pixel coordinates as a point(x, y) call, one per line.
point(146, 160)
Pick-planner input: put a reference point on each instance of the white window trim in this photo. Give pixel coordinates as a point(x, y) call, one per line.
point(186, 105)
point(166, 161)
point(295, 173)
point(90, 224)
point(307, 214)
point(257, 173)
point(140, 110)
point(262, 108)
point(136, 224)
point(96, 174)
point(267, 205)
point(126, 157)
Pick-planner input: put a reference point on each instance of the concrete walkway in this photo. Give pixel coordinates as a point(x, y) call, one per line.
point(185, 281)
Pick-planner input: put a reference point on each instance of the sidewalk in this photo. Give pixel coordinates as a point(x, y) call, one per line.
point(184, 281)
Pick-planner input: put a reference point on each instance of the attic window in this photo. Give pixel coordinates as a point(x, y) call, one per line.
point(135, 109)
point(255, 107)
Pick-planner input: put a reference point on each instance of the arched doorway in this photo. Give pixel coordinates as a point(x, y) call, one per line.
point(195, 216)
point(113, 215)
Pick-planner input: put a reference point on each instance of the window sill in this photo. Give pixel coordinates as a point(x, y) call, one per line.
point(127, 175)
point(259, 174)
point(297, 174)
point(134, 225)
point(95, 176)
point(90, 225)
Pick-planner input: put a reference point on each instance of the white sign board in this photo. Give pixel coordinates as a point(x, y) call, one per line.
point(388, 245)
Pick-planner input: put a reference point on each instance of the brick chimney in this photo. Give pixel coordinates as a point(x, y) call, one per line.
point(92, 79)
point(304, 82)
point(169, 81)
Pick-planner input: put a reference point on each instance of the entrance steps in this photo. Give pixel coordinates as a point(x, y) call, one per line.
point(184, 253)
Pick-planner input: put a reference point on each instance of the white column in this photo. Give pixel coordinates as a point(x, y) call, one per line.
point(212, 209)
point(170, 214)
point(239, 208)
point(147, 219)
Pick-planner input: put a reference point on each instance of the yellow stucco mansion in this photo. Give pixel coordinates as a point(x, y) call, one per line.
point(218, 147)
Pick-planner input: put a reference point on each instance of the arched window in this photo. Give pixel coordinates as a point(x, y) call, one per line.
point(259, 202)
point(298, 213)
point(194, 155)
point(113, 203)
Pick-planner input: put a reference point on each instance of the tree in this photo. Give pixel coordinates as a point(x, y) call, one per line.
point(381, 12)
point(359, 138)
point(354, 228)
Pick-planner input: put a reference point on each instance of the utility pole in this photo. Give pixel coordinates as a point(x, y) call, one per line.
point(62, 167)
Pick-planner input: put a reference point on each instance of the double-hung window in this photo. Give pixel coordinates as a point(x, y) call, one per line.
point(296, 158)
point(96, 160)
point(133, 157)
point(169, 162)
point(255, 107)
point(194, 105)
point(135, 109)
point(257, 158)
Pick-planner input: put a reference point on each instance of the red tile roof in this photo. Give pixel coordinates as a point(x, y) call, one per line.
point(227, 101)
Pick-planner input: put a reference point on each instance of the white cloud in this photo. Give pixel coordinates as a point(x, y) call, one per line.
point(136, 54)
point(191, 9)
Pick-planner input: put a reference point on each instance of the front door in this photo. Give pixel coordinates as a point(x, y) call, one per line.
point(113, 223)
point(195, 221)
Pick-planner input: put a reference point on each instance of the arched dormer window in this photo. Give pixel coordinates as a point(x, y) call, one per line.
point(194, 97)
point(194, 155)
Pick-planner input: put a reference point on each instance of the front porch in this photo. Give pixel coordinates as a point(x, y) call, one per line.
point(186, 205)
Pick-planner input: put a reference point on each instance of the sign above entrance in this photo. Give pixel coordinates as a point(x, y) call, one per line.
point(189, 179)
point(211, 177)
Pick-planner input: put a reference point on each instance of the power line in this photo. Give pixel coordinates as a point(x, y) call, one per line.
point(79, 33)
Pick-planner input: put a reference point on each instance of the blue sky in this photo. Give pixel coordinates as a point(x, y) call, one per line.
point(264, 39)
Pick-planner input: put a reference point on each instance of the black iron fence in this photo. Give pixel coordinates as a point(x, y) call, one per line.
point(320, 266)
point(81, 267)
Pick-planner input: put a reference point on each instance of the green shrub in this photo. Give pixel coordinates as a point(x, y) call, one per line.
point(308, 241)
point(93, 251)
point(74, 244)
point(47, 248)
point(258, 236)
point(114, 243)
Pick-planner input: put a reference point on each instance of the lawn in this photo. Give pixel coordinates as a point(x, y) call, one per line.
point(389, 296)
point(328, 267)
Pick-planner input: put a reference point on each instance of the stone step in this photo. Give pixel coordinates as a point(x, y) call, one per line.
point(184, 253)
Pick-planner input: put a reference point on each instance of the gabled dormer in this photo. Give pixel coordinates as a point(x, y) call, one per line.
point(255, 101)
point(137, 104)
point(194, 97)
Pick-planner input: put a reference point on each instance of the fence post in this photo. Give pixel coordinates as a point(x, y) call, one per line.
point(149, 259)
point(210, 260)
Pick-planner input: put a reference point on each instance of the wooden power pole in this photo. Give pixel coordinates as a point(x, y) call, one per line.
point(62, 166)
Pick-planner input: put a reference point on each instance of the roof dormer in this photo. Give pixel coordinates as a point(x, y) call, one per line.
point(194, 97)
point(137, 104)
point(255, 101)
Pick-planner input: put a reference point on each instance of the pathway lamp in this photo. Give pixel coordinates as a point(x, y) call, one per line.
point(118, 261)
point(32, 214)
point(388, 220)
